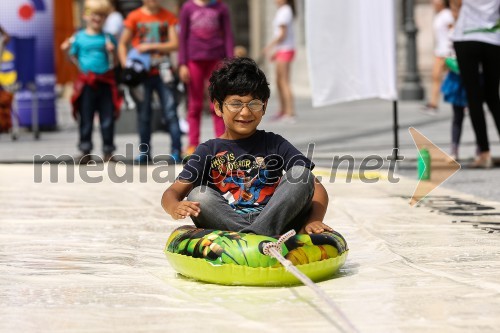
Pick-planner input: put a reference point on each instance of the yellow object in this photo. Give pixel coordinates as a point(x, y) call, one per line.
point(9, 76)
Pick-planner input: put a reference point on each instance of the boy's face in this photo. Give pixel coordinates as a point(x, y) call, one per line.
point(95, 20)
point(151, 4)
point(240, 124)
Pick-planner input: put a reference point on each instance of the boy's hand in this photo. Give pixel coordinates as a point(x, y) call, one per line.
point(143, 48)
point(110, 47)
point(315, 228)
point(66, 44)
point(185, 209)
point(184, 74)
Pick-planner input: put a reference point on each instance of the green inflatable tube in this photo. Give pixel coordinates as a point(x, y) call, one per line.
point(233, 258)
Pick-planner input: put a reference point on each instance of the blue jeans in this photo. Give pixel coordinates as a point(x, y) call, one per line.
point(92, 100)
point(288, 208)
point(169, 110)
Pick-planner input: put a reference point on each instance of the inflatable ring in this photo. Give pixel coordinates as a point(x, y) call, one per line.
point(233, 258)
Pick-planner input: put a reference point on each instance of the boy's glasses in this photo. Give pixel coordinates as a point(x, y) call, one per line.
point(254, 106)
point(96, 14)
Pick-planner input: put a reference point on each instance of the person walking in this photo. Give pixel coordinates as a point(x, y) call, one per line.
point(477, 45)
point(454, 93)
point(114, 22)
point(443, 22)
point(95, 89)
point(152, 32)
point(281, 50)
point(205, 39)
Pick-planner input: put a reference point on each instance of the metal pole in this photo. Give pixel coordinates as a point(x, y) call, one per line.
point(411, 89)
point(34, 110)
point(395, 128)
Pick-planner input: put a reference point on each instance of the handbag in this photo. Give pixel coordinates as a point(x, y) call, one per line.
point(452, 64)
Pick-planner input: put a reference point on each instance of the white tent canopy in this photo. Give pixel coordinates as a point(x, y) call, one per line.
point(351, 48)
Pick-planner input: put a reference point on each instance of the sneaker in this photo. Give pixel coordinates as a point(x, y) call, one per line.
point(189, 151)
point(429, 109)
point(482, 163)
point(288, 119)
point(454, 152)
point(176, 157)
point(184, 126)
point(109, 158)
point(454, 157)
point(142, 159)
point(277, 116)
point(84, 158)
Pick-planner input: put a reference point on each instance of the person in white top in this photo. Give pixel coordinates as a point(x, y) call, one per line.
point(281, 49)
point(477, 45)
point(114, 22)
point(443, 22)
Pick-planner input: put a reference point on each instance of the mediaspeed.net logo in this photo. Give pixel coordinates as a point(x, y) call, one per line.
point(27, 10)
point(443, 166)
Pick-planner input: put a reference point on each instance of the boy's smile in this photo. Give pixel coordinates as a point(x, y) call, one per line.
point(95, 20)
point(240, 124)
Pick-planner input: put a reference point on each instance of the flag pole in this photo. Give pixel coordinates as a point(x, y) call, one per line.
point(395, 127)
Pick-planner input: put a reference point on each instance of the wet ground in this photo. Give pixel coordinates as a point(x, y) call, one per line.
point(88, 257)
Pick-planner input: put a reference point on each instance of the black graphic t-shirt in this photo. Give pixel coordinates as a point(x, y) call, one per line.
point(247, 171)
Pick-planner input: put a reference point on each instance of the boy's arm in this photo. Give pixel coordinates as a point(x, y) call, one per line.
point(125, 39)
point(171, 45)
point(455, 7)
point(6, 37)
point(183, 37)
point(174, 204)
point(111, 45)
point(182, 56)
point(314, 223)
point(281, 36)
point(66, 47)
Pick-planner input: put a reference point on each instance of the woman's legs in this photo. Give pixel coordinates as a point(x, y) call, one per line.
point(284, 87)
point(491, 74)
point(281, 110)
point(195, 101)
point(106, 119)
point(200, 72)
point(169, 110)
point(437, 77)
point(219, 127)
point(144, 119)
point(456, 129)
point(469, 57)
point(88, 106)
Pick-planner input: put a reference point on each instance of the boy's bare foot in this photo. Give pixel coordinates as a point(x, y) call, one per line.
point(315, 228)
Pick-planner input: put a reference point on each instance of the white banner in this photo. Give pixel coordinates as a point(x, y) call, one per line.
point(351, 49)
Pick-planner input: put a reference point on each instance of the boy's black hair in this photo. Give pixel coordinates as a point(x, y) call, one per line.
point(238, 76)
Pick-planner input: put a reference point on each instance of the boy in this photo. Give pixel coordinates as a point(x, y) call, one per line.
point(95, 89)
point(151, 31)
point(236, 182)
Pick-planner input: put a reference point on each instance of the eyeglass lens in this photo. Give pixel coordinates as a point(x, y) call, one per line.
point(254, 105)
